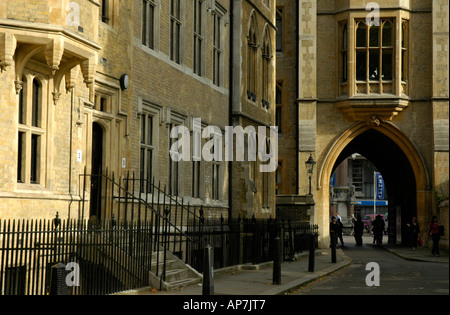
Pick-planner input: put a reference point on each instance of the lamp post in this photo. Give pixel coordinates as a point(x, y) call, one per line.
point(309, 170)
point(312, 237)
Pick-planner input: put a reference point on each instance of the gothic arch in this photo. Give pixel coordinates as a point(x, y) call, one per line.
point(410, 149)
point(412, 154)
point(252, 28)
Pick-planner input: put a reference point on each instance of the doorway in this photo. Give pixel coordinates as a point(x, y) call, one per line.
point(96, 172)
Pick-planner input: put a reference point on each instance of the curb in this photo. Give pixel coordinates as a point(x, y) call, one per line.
point(414, 258)
point(295, 284)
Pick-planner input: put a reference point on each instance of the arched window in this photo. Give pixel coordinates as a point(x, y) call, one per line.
point(252, 50)
point(36, 104)
point(31, 131)
point(266, 59)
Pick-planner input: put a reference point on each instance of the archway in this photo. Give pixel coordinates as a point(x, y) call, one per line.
point(397, 173)
point(400, 163)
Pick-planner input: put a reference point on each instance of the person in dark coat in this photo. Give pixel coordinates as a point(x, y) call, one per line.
point(414, 230)
point(333, 232)
point(358, 230)
point(378, 230)
point(340, 228)
point(435, 235)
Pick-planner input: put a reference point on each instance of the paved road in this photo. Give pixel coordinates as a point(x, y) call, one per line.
point(397, 276)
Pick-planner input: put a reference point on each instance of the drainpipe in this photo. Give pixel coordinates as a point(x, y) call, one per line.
point(297, 33)
point(230, 98)
point(70, 150)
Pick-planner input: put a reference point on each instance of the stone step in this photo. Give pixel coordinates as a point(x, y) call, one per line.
point(182, 283)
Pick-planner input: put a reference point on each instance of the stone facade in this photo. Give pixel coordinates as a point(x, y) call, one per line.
point(80, 51)
point(343, 103)
point(253, 101)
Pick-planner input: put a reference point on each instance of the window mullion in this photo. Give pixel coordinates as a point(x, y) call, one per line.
point(367, 59)
point(380, 57)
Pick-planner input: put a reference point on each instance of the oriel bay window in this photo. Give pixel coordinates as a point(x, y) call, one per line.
point(374, 57)
point(343, 60)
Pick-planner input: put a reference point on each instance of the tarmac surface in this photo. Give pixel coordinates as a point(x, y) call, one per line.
point(258, 279)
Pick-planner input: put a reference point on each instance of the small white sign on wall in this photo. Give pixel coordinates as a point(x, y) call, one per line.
point(79, 156)
point(124, 162)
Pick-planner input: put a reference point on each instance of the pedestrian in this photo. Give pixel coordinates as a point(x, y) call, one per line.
point(435, 235)
point(340, 228)
point(414, 230)
point(333, 232)
point(358, 230)
point(353, 224)
point(378, 230)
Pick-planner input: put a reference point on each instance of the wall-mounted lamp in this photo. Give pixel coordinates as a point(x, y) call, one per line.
point(124, 81)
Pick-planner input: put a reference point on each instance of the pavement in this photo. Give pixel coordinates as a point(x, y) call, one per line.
point(258, 279)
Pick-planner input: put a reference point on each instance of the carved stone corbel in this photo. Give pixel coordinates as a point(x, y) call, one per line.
point(18, 86)
point(88, 68)
point(8, 45)
point(56, 97)
point(375, 121)
point(65, 71)
point(53, 53)
point(70, 78)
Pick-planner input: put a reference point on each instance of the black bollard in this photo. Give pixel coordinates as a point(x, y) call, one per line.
point(333, 247)
point(277, 261)
point(312, 249)
point(208, 270)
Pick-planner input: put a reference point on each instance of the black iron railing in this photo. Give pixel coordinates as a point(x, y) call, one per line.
point(250, 241)
point(123, 241)
point(106, 259)
point(121, 201)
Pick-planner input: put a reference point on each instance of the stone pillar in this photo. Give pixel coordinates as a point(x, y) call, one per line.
point(307, 103)
point(306, 89)
point(440, 86)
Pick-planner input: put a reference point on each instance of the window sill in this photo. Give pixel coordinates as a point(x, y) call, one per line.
point(35, 191)
point(107, 26)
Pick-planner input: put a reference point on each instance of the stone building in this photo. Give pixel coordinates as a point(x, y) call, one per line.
point(253, 104)
point(98, 85)
point(370, 78)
